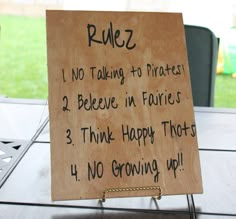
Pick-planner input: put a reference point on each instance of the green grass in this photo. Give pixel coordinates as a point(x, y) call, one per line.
point(23, 68)
point(225, 91)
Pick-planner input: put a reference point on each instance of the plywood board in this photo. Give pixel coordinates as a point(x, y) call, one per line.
point(120, 102)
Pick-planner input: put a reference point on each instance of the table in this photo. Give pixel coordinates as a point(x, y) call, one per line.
point(26, 193)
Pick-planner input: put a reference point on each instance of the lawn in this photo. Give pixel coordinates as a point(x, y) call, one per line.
point(23, 68)
point(225, 91)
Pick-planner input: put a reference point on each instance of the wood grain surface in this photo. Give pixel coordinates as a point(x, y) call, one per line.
point(120, 103)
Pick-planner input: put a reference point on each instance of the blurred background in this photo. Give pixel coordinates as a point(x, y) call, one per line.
point(23, 65)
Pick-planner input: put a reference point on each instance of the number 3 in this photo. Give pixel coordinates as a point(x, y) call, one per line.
point(69, 140)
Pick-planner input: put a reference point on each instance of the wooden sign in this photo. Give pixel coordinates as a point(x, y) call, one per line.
point(120, 102)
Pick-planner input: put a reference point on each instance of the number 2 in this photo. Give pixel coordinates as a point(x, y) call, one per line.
point(65, 107)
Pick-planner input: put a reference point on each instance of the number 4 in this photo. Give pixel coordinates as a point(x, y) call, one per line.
point(74, 172)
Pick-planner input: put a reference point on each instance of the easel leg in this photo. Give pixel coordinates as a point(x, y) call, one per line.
point(191, 207)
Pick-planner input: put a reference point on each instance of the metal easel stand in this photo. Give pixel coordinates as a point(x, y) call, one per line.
point(191, 206)
point(190, 200)
point(132, 189)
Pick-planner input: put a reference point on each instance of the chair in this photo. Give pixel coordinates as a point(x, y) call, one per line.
point(202, 49)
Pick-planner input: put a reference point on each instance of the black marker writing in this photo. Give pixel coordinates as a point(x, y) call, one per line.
point(93, 103)
point(134, 169)
point(130, 101)
point(95, 170)
point(138, 134)
point(178, 130)
point(159, 98)
point(164, 70)
point(106, 73)
point(111, 36)
point(76, 74)
point(97, 136)
point(174, 164)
